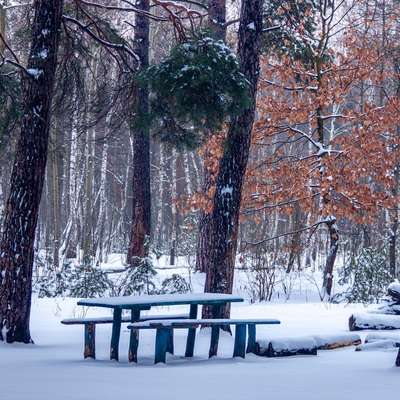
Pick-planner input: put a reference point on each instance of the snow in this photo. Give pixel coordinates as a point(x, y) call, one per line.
point(379, 320)
point(395, 286)
point(292, 344)
point(36, 73)
point(54, 367)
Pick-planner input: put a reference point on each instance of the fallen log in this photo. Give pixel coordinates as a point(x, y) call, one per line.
point(394, 291)
point(330, 342)
point(378, 345)
point(286, 347)
point(375, 337)
point(358, 322)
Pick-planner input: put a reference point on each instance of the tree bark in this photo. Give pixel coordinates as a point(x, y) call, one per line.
point(140, 227)
point(3, 5)
point(330, 259)
point(17, 244)
point(217, 19)
point(221, 250)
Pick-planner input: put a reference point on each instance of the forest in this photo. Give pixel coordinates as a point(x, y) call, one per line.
point(261, 135)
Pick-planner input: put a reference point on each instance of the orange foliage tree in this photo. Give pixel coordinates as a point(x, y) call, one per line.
point(327, 136)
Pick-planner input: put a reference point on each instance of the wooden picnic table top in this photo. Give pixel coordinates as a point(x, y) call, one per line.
point(144, 302)
point(147, 301)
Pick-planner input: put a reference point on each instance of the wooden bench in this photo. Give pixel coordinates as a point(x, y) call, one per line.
point(90, 328)
point(165, 327)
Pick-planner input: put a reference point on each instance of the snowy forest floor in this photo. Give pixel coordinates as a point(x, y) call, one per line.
point(54, 367)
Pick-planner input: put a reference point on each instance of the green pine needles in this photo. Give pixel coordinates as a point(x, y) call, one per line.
point(195, 91)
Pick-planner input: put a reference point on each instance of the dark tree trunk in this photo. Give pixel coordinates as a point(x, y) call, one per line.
point(217, 19)
point(140, 228)
point(204, 222)
point(331, 258)
point(394, 228)
point(17, 244)
point(228, 195)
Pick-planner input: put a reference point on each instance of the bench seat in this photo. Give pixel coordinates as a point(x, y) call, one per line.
point(90, 328)
point(165, 327)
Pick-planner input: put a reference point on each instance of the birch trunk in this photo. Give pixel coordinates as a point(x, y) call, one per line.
point(70, 234)
point(88, 222)
point(56, 202)
point(101, 219)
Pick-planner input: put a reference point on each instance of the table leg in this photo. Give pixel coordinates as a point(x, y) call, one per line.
point(251, 341)
point(134, 338)
point(162, 337)
point(90, 340)
point(192, 332)
point(215, 332)
point(116, 330)
point(240, 341)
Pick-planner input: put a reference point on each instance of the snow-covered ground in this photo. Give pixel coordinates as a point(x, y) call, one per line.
point(54, 366)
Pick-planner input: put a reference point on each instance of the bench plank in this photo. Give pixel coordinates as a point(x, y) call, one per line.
point(90, 332)
point(164, 327)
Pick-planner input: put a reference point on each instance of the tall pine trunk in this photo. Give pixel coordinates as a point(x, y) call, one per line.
point(3, 5)
point(141, 213)
point(217, 19)
point(225, 216)
point(17, 244)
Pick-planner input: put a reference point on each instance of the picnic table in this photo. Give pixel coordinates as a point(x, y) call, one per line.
point(136, 304)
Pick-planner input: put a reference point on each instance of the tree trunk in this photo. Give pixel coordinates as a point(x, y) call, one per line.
point(3, 5)
point(394, 222)
point(56, 202)
point(217, 19)
point(17, 244)
point(88, 218)
point(141, 213)
point(101, 218)
point(330, 259)
point(225, 216)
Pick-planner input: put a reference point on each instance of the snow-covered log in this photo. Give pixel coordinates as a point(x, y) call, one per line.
point(335, 341)
point(378, 345)
point(394, 290)
point(286, 347)
point(359, 322)
point(392, 307)
point(375, 337)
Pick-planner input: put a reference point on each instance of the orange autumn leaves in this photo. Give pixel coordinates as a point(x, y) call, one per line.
point(322, 139)
point(327, 134)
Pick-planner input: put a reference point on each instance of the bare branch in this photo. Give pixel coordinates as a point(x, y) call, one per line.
point(307, 228)
point(86, 28)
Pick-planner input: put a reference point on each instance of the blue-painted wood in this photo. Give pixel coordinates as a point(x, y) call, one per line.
point(162, 338)
point(90, 340)
point(214, 341)
point(251, 341)
point(133, 346)
point(138, 303)
point(134, 338)
point(116, 330)
point(148, 301)
point(240, 333)
point(240, 341)
point(192, 332)
point(215, 332)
